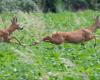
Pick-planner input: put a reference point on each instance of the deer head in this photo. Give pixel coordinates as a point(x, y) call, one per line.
point(15, 24)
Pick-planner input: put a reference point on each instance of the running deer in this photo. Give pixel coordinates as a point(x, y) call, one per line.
point(78, 36)
point(5, 34)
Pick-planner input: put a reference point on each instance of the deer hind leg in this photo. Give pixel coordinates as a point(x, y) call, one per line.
point(56, 40)
point(94, 38)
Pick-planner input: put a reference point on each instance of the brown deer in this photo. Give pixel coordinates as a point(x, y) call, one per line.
point(78, 36)
point(5, 34)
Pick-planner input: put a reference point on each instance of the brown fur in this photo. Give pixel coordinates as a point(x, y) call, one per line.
point(5, 34)
point(78, 36)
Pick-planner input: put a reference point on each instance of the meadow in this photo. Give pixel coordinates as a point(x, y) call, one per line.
point(47, 61)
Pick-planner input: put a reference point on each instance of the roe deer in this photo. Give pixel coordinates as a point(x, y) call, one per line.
point(5, 34)
point(78, 36)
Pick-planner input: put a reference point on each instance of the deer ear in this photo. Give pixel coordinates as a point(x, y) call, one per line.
point(14, 19)
point(96, 18)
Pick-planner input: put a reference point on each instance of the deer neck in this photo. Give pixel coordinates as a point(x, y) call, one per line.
point(92, 28)
point(11, 29)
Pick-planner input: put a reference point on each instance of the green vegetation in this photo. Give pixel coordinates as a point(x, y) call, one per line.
point(47, 61)
point(48, 5)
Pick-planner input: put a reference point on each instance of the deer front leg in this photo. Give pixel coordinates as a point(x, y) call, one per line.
point(12, 37)
point(83, 45)
point(6, 39)
point(94, 37)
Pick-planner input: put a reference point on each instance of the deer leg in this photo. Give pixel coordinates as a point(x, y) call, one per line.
point(34, 43)
point(94, 37)
point(6, 39)
point(15, 39)
point(83, 45)
point(56, 40)
point(12, 37)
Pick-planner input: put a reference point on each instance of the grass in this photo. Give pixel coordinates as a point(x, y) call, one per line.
point(48, 61)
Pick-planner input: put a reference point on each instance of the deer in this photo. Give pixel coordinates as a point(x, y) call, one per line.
point(5, 34)
point(77, 36)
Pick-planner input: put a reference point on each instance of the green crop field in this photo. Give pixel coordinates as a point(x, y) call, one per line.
point(47, 61)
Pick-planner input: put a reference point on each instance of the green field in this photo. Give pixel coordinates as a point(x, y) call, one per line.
point(47, 61)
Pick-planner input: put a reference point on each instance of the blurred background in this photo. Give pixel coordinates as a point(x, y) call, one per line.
point(48, 5)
